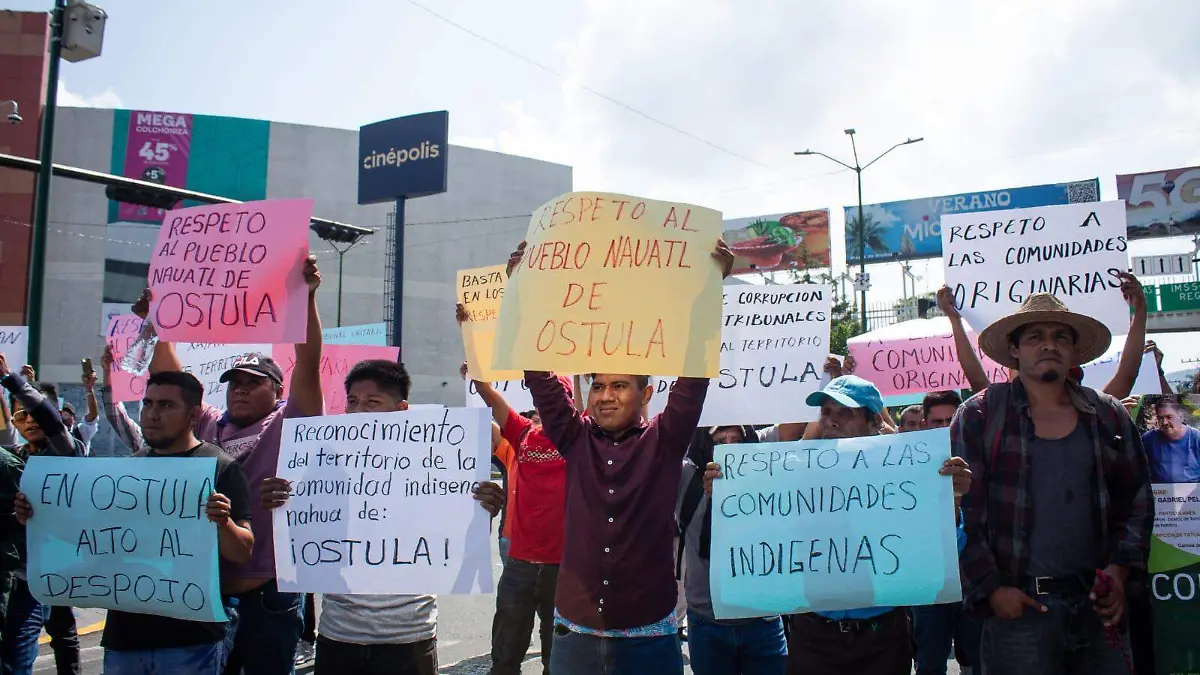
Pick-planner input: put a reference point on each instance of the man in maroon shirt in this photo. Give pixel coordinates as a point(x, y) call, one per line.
point(616, 596)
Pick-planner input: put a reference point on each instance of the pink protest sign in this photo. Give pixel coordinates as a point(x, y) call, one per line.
point(232, 273)
point(336, 362)
point(122, 331)
point(915, 357)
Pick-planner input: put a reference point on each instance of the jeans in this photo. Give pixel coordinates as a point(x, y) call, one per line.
point(581, 654)
point(935, 628)
point(1069, 639)
point(505, 544)
point(525, 589)
point(747, 647)
point(268, 631)
point(877, 646)
point(344, 658)
point(195, 660)
point(22, 627)
point(310, 618)
point(64, 640)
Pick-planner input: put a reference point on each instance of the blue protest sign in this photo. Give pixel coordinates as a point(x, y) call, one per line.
point(365, 334)
point(128, 534)
point(831, 525)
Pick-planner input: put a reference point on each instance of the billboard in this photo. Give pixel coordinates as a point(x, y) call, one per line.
point(1161, 203)
point(403, 157)
point(798, 240)
point(157, 151)
point(911, 229)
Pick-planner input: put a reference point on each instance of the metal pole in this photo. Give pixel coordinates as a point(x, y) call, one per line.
point(862, 245)
point(341, 261)
point(398, 276)
point(41, 205)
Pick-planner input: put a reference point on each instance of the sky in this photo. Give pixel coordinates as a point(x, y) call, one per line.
point(702, 101)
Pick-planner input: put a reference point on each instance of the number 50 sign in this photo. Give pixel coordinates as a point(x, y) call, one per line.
point(1161, 203)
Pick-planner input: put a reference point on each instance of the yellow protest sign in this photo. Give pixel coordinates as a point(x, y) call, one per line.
point(479, 292)
point(614, 284)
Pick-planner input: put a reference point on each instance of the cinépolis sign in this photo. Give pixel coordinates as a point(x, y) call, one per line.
point(403, 157)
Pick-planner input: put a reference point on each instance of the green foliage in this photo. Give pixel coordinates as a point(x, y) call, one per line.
point(774, 231)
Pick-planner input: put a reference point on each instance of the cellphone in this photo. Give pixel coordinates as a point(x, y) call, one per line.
point(88, 369)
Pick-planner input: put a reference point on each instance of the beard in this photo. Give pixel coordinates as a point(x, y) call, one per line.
point(1050, 376)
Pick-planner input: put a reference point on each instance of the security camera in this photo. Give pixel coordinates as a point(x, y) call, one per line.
point(14, 118)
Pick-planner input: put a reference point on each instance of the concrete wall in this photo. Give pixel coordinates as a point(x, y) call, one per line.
point(478, 221)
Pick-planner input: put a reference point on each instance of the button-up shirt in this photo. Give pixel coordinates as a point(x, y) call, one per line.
point(996, 510)
point(618, 563)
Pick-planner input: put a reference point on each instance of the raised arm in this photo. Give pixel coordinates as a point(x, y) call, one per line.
point(1122, 382)
point(59, 441)
point(165, 359)
point(491, 398)
point(980, 575)
point(127, 431)
point(561, 422)
point(93, 407)
point(305, 395)
point(968, 360)
point(678, 421)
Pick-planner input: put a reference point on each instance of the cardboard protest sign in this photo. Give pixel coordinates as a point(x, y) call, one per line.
point(14, 344)
point(614, 284)
point(382, 503)
point(336, 362)
point(209, 361)
point(515, 393)
point(129, 534)
point(1074, 251)
point(122, 331)
point(832, 525)
point(232, 273)
point(774, 340)
point(364, 334)
point(479, 292)
point(916, 357)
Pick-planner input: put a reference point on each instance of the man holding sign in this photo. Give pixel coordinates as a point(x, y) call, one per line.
point(616, 595)
point(146, 643)
point(872, 640)
point(1060, 511)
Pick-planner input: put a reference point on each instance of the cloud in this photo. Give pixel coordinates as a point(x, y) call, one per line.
point(105, 99)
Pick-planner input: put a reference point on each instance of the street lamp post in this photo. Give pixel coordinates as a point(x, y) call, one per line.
point(335, 235)
point(862, 239)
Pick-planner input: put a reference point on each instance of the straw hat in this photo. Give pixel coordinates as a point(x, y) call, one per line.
point(1094, 337)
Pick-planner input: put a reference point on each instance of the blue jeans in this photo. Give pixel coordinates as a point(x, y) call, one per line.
point(525, 592)
point(1069, 639)
point(268, 630)
point(935, 627)
point(22, 626)
point(581, 654)
point(197, 660)
point(746, 647)
point(505, 544)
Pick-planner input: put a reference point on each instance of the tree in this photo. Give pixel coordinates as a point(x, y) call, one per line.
point(873, 233)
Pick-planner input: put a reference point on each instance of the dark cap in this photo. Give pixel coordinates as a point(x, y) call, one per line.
point(257, 364)
point(67, 407)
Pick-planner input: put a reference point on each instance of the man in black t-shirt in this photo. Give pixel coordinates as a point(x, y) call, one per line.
point(145, 644)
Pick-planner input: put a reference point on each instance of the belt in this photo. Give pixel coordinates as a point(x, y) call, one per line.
point(1079, 584)
point(855, 625)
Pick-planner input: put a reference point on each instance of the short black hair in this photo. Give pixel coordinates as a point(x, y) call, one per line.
point(1014, 338)
point(389, 376)
point(528, 414)
point(936, 398)
point(910, 409)
point(190, 389)
point(642, 381)
point(1169, 402)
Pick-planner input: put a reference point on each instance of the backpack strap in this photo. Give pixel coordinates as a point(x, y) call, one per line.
point(687, 510)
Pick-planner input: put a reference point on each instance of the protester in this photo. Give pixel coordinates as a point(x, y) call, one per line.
point(269, 621)
point(1173, 448)
point(143, 644)
point(12, 532)
point(616, 596)
point(718, 647)
point(1061, 490)
point(936, 628)
point(872, 640)
point(911, 419)
point(365, 634)
point(38, 420)
point(535, 517)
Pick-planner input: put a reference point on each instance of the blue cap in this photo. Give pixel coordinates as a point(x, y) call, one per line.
point(851, 391)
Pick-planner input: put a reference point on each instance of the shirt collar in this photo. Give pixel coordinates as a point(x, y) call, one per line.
point(635, 430)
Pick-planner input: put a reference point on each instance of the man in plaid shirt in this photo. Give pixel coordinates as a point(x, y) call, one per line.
point(1060, 490)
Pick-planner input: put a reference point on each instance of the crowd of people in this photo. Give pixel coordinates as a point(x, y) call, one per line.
point(606, 525)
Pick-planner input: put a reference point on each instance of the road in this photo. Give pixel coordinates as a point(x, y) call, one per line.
point(464, 637)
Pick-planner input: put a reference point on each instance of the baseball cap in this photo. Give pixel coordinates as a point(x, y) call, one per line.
point(257, 364)
point(67, 407)
point(851, 391)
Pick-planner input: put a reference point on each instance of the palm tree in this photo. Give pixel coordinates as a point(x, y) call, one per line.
point(873, 233)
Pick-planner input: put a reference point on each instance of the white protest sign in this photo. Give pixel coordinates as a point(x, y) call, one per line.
point(383, 503)
point(209, 361)
point(1098, 373)
point(515, 394)
point(14, 344)
point(994, 260)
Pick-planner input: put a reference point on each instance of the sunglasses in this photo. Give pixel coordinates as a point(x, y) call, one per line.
point(20, 415)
